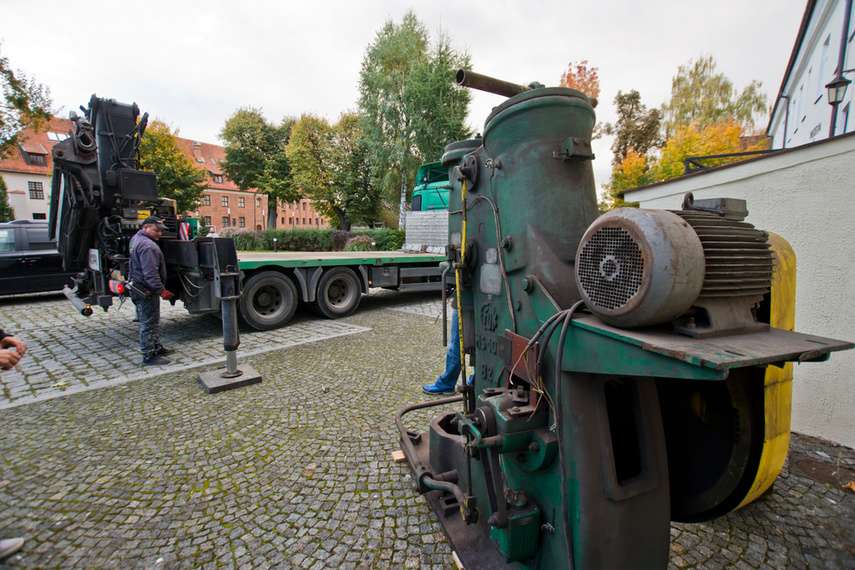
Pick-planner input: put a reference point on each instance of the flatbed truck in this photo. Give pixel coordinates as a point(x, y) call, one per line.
point(331, 283)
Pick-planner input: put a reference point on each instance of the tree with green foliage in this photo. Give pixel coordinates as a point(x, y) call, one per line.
point(438, 106)
point(256, 158)
point(330, 164)
point(410, 105)
point(177, 176)
point(7, 214)
point(703, 97)
point(637, 128)
point(705, 116)
point(25, 105)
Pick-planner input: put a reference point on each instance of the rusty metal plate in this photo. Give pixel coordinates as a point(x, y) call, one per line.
point(725, 352)
point(820, 471)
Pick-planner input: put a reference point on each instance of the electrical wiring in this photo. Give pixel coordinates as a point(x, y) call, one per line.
point(559, 420)
point(492, 165)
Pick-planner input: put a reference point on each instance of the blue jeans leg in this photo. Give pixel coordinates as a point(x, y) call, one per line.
point(149, 314)
point(448, 379)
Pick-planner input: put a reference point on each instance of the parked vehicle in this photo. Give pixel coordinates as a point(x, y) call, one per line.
point(29, 260)
point(100, 199)
point(332, 283)
point(431, 191)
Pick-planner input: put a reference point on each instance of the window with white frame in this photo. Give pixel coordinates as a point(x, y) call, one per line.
point(36, 190)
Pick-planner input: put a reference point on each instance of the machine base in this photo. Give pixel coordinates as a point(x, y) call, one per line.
point(472, 543)
point(214, 381)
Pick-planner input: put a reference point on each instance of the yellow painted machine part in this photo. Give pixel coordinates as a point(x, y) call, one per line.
point(778, 384)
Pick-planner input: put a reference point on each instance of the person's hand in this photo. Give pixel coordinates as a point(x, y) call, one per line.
point(168, 295)
point(14, 342)
point(8, 359)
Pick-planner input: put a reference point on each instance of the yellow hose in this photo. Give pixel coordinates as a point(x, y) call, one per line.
point(457, 270)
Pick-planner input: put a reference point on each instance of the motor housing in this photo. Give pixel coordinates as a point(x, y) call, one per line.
point(703, 271)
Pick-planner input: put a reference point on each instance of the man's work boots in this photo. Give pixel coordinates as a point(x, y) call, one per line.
point(155, 360)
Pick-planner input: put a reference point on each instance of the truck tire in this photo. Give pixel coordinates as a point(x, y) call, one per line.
point(338, 293)
point(269, 300)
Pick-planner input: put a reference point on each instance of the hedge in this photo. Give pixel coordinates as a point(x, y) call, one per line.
point(385, 239)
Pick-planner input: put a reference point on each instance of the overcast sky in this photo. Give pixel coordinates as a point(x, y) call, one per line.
point(193, 63)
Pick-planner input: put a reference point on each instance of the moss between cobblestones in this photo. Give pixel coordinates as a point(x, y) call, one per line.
point(296, 471)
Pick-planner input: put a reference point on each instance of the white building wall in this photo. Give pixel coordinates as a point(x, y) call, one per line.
point(19, 195)
point(803, 195)
point(806, 115)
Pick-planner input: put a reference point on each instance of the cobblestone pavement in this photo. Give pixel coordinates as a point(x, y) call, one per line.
point(109, 465)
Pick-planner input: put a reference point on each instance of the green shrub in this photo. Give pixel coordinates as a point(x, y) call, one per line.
point(245, 238)
point(297, 240)
point(359, 243)
point(304, 239)
point(385, 239)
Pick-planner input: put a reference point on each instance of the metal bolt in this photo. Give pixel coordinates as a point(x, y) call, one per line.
point(518, 305)
point(527, 285)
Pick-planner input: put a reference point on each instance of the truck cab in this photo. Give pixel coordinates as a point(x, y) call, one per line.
point(29, 260)
point(432, 188)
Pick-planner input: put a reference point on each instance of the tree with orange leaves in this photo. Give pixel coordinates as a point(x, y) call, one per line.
point(582, 78)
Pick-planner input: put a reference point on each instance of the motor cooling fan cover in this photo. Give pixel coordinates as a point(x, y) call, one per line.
point(639, 267)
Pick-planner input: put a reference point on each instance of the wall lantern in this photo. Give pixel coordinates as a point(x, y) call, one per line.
point(837, 90)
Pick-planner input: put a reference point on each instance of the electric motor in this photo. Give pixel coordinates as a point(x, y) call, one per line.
point(639, 268)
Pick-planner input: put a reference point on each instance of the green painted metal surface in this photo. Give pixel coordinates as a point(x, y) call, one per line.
point(253, 260)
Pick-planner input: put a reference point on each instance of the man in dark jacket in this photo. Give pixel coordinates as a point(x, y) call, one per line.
point(148, 272)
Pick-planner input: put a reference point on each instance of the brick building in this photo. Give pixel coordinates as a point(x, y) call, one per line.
point(27, 173)
point(225, 205)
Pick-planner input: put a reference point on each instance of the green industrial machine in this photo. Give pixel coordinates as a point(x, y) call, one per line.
point(626, 373)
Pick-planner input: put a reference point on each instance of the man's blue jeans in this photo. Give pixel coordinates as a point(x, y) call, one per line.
point(448, 379)
point(149, 314)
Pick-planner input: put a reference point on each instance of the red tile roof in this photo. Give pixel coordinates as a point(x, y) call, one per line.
point(36, 143)
point(211, 155)
point(204, 155)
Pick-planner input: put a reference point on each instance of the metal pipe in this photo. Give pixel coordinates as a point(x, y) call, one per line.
point(407, 447)
point(472, 80)
point(231, 363)
point(431, 483)
point(423, 474)
point(77, 302)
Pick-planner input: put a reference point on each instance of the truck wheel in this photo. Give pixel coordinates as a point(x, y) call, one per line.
point(338, 293)
point(268, 302)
